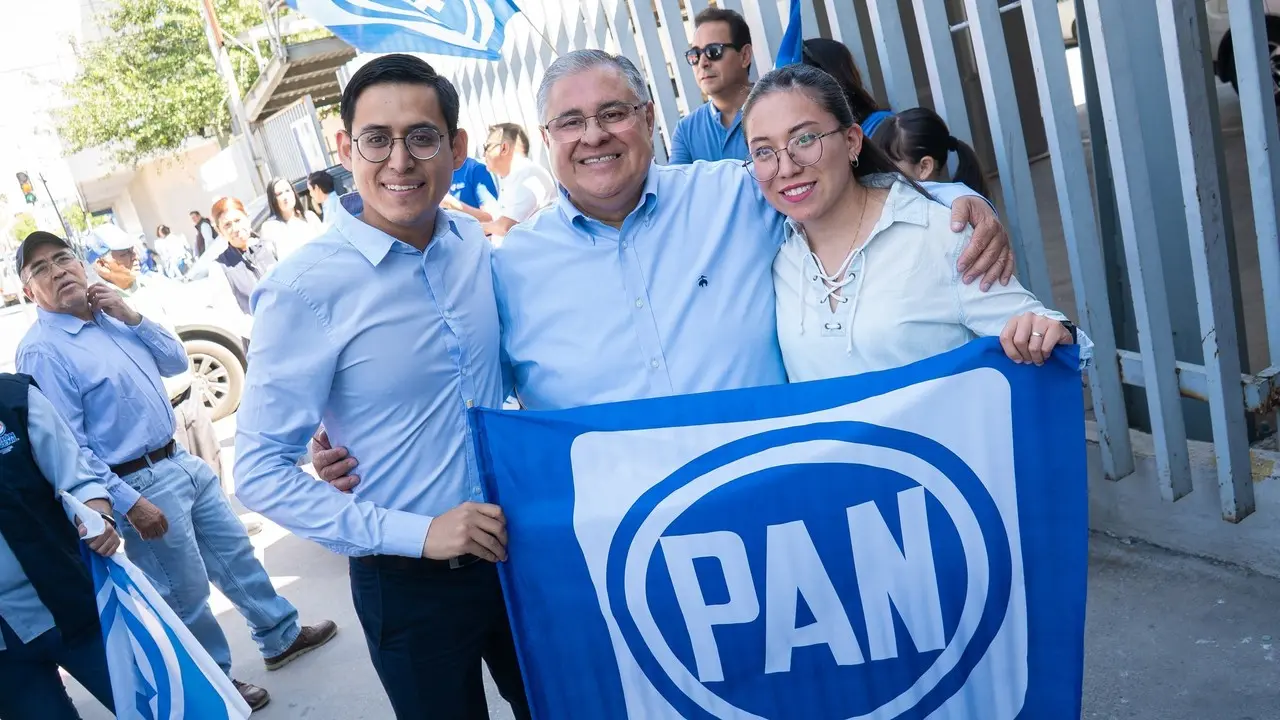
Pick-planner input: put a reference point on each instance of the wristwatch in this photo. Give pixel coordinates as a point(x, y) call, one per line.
point(1071, 328)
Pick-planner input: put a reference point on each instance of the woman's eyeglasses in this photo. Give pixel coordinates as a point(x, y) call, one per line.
point(805, 150)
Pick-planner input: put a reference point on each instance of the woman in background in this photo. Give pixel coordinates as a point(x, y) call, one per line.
point(244, 261)
point(833, 58)
point(866, 277)
point(290, 225)
point(919, 142)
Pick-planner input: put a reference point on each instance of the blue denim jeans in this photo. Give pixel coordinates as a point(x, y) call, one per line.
point(206, 542)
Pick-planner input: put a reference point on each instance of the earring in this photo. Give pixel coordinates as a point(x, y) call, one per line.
point(855, 161)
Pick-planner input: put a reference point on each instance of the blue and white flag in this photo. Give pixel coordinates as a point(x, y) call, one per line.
point(467, 28)
point(158, 669)
point(791, 49)
point(901, 544)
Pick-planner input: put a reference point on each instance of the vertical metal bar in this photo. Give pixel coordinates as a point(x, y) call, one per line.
point(944, 73)
point(649, 49)
point(766, 31)
point(895, 63)
point(846, 28)
point(808, 17)
point(996, 75)
point(1079, 228)
point(1262, 148)
point(1142, 245)
point(675, 42)
point(1184, 35)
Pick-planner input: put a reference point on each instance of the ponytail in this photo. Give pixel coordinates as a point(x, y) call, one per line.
point(915, 134)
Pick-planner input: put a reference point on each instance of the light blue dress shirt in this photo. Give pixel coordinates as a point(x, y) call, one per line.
point(701, 135)
point(104, 377)
point(680, 300)
point(388, 346)
point(57, 453)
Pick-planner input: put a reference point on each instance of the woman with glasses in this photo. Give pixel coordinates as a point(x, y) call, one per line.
point(290, 225)
point(239, 266)
point(866, 278)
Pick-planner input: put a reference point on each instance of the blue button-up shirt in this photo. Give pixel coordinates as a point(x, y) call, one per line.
point(388, 346)
point(680, 300)
point(104, 377)
point(57, 453)
point(701, 135)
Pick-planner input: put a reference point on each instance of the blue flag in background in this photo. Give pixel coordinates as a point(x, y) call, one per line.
point(467, 28)
point(903, 544)
point(791, 48)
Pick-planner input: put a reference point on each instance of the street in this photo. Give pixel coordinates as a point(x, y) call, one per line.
point(1168, 637)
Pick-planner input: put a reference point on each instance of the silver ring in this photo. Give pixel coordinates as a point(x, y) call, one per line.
point(1036, 334)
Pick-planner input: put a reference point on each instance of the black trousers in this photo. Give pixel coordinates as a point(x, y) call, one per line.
point(428, 628)
point(30, 686)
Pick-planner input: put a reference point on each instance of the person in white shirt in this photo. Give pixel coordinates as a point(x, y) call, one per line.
point(866, 278)
point(290, 226)
point(175, 254)
point(524, 187)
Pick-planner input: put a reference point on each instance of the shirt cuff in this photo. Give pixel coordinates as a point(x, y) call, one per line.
point(404, 534)
point(91, 491)
point(123, 497)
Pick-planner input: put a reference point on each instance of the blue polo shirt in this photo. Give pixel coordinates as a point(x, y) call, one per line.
point(468, 181)
point(701, 136)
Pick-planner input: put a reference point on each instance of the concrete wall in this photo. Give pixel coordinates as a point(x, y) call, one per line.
point(1132, 508)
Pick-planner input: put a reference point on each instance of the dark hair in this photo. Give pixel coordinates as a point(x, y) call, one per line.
point(512, 133)
point(405, 70)
point(834, 58)
point(163, 231)
point(322, 180)
point(826, 92)
point(915, 134)
point(739, 30)
point(196, 213)
point(273, 203)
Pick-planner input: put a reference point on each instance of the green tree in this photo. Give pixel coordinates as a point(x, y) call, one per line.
point(151, 83)
point(79, 220)
point(23, 225)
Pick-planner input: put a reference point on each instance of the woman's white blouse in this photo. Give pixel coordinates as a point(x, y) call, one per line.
point(902, 298)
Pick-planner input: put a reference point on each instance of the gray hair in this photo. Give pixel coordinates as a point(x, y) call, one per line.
point(582, 60)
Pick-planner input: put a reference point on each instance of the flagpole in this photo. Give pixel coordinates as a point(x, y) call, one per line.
point(222, 61)
point(538, 32)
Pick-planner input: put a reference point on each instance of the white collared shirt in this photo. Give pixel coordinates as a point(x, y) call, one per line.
point(904, 300)
point(523, 191)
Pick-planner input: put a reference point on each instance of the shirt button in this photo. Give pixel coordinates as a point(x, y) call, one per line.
point(639, 302)
point(471, 403)
point(624, 244)
point(653, 363)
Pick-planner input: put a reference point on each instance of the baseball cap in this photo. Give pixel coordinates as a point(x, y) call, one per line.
point(35, 240)
point(104, 239)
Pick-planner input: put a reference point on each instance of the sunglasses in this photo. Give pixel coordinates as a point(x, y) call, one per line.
point(713, 51)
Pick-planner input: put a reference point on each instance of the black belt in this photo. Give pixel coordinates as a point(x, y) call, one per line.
point(407, 564)
point(151, 458)
point(182, 397)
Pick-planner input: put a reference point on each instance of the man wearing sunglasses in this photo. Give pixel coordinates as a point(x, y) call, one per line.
point(721, 60)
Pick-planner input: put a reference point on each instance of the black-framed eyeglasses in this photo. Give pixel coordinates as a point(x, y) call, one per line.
point(375, 145)
point(805, 149)
point(41, 269)
point(713, 51)
point(615, 118)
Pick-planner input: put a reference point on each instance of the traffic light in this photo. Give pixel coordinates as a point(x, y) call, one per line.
point(28, 192)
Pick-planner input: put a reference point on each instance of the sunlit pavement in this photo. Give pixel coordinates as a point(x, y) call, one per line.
point(337, 681)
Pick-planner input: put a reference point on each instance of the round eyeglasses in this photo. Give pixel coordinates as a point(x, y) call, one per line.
point(375, 145)
point(804, 149)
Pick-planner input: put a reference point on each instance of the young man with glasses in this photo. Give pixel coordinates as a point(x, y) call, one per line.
point(386, 330)
point(721, 60)
point(101, 363)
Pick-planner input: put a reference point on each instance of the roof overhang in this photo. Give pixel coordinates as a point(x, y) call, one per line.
point(308, 68)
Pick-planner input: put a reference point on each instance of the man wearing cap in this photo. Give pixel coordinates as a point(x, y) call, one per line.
point(48, 614)
point(100, 363)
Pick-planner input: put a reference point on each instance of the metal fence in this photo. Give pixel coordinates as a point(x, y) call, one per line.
point(1180, 289)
